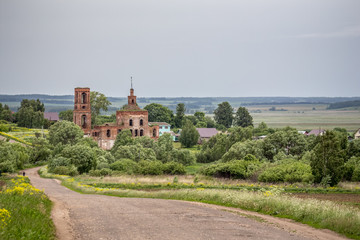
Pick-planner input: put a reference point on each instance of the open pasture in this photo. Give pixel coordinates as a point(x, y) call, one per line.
point(303, 117)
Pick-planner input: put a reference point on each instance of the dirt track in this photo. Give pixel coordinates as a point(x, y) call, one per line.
point(80, 216)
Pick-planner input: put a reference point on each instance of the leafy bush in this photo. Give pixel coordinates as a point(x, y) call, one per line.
point(356, 174)
point(57, 162)
point(183, 156)
point(66, 170)
point(105, 172)
point(287, 171)
point(240, 149)
point(12, 156)
point(134, 152)
point(349, 168)
point(65, 132)
point(233, 169)
point(4, 128)
point(81, 156)
point(173, 168)
point(102, 165)
point(124, 165)
point(150, 167)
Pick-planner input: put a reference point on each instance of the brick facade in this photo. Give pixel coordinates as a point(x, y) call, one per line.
point(130, 117)
point(82, 109)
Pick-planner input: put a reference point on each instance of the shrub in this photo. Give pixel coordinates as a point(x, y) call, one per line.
point(350, 167)
point(134, 152)
point(356, 174)
point(287, 171)
point(124, 165)
point(4, 128)
point(150, 167)
point(81, 156)
point(105, 172)
point(66, 170)
point(57, 162)
point(241, 149)
point(234, 169)
point(183, 156)
point(102, 165)
point(65, 132)
point(173, 168)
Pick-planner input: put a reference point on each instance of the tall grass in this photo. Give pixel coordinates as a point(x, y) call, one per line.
point(24, 211)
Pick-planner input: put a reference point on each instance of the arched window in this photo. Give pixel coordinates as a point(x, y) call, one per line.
point(83, 98)
point(141, 132)
point(154, 132)
point(141, 122)
point(119, 130)
point(130, 122)
point(108, 133)
point(136, 132)
point(83, 121)
point(132, 101)
point(131, 132)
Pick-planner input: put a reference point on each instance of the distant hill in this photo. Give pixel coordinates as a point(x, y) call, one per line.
point(346, 104)
point(207, 104)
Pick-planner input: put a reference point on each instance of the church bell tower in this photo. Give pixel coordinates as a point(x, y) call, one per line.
point(82, 109)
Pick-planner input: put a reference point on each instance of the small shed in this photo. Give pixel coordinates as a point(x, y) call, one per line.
point(206, 133)
point(51, 116)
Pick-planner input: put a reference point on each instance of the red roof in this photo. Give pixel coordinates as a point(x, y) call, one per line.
point(52, 116)
point(207, 132)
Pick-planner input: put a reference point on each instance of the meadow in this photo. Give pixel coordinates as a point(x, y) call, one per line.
point(24, 210)
point(302, 117)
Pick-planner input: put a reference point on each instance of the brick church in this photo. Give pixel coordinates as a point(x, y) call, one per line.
point(131, 116)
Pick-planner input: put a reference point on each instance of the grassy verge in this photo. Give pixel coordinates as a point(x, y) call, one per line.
point(317, 213)
point(24, 211)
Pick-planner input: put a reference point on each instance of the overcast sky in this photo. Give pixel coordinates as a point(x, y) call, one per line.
point(180, 48)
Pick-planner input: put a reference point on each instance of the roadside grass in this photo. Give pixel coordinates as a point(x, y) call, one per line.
point(340, 218)
point(25, 212)
point(195, 168)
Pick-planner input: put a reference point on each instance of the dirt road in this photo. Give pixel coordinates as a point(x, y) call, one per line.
point(81, 216)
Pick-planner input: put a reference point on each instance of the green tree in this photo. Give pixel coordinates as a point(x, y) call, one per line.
point(66, 115)
point(5, 113)
point(82, 156)
point(30, 114)
point(98, 102)
point(224, 114)
point(286, 140)
point(189, 136)
point(200, 116)
point(327, 162)
point(159, 113)
point(65, 132)
point(243, 118)
point(210, 123)
point(122, 139)
point(180, 114)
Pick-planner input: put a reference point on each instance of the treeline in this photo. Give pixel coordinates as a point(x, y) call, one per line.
point(346, 104)
point(283, 156)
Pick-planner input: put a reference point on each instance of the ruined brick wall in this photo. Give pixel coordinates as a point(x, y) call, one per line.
point(82, 109)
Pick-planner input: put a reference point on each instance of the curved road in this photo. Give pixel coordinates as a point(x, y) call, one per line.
point(82, 216)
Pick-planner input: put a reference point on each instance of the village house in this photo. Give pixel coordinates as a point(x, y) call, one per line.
point(206, 134)
point(357, 134)
point(131, 116)
point(317, 132)
point(51, 116)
